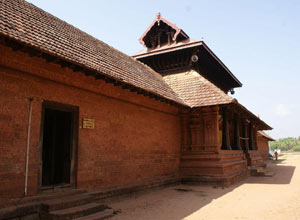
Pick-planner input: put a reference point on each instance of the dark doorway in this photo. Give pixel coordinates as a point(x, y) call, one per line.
point(58, 145)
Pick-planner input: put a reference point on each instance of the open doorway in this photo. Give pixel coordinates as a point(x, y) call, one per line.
point(58, 145)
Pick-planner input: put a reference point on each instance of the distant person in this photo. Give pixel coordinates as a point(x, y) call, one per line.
point(276, 155)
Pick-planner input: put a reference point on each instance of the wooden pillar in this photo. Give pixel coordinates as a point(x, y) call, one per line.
point(237, 142)
point(244, 134)
point(211, 128)
point(255, 138)
point(225, 131)
point(250, 136)
point(196, 131)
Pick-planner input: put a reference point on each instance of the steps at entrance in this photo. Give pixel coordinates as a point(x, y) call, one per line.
point(269, 173)
point(78, 206)
point(66, 202)
point(106, 214)
point(76, 212)
point(260, 171)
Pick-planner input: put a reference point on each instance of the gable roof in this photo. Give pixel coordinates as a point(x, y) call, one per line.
point(30, 25)
point(156, 22)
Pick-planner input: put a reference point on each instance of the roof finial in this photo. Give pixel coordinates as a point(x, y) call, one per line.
point(158, 16)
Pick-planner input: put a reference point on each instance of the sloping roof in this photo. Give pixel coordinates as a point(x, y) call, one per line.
point(263, 134)
point(262, 125)
point(28, 24)
point(188, 44)
point(195, 90)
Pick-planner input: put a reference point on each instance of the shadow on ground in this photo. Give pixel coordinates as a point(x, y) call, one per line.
point(283, 173)
point(181, 201)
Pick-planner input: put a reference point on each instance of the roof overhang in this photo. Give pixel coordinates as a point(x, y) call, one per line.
point(195, 44)
point(261, 124)
point(264, 135)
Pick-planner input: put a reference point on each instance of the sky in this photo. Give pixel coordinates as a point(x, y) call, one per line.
point(259, 41)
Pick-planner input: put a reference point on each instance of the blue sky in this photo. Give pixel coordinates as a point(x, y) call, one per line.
point(259, 41)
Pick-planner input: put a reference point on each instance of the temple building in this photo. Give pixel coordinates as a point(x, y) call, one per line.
point(218, 133)
point(78, 114)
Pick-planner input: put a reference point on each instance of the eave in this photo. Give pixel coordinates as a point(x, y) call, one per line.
point(195, 44)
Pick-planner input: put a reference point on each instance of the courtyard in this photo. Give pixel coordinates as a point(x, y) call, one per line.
point(276, 197)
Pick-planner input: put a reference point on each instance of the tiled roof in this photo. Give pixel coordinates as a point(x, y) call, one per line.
point(195, 90)
point(26, 23)
point(265, 135)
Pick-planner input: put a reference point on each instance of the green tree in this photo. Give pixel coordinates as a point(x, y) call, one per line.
point(296, 148)
point(285, 143)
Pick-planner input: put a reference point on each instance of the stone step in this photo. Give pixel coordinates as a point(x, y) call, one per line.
point(106, 214)
point(269, 173)
point(76, 212)
point(261, 172)
point(42, 197)
point(66, 202)
point(48, 194)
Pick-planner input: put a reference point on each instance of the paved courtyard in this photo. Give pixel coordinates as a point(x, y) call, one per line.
point(256, 198)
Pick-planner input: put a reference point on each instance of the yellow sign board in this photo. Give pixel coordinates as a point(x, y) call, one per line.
point(88, 123)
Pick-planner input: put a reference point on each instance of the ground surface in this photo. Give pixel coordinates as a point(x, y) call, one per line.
point(256, 198)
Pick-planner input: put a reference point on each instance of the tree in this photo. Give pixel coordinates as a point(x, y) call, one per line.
point(285, 143)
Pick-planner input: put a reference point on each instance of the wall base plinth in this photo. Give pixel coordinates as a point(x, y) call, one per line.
point(255, 159)
point(221, 168)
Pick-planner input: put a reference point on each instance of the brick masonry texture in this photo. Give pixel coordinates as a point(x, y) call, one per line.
point(263, 146)
point(136, 139)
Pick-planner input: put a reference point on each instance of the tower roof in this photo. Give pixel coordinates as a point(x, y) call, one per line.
point(161, 32)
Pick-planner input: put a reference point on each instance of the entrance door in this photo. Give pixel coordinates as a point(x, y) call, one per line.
point(58, 145)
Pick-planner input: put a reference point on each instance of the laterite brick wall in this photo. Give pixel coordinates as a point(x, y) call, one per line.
point(263, 147)
point(136, 139)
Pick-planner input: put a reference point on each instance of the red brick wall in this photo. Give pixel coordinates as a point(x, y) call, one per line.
point(263, 147)
point(136, 139)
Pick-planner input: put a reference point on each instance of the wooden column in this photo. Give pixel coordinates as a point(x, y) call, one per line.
point(237, 142)
point(250, 136)
point(244, 133)
point(211, 128)
point(255, 138)
point(225, 131)
point(196, 131)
